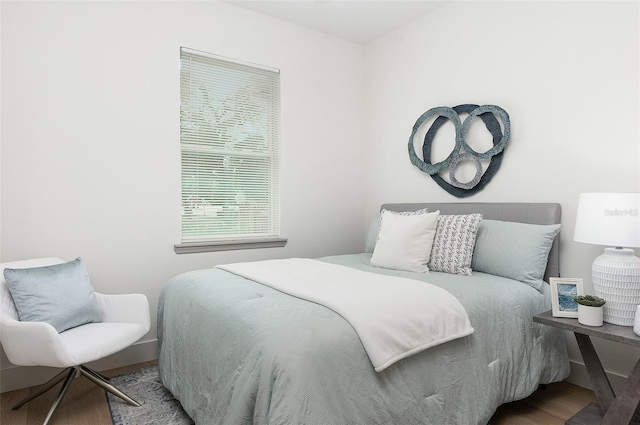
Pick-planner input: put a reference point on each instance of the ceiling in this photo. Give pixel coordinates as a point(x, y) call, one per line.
point(360, 21)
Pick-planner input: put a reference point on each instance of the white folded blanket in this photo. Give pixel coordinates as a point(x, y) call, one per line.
point(394, 317)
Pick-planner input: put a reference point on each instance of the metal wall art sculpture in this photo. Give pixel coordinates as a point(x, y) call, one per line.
point(489, 114)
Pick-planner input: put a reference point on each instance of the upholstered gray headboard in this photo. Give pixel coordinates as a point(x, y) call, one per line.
point(532, 213)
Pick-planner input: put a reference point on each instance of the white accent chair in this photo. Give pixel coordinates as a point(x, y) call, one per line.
point(125, 319)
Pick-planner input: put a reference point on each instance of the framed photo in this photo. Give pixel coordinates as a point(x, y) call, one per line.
point(562, 292)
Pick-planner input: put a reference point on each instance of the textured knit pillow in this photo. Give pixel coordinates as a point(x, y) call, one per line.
point(515, 250)
point(60, 295)
point(404, 240)
point(453, 245)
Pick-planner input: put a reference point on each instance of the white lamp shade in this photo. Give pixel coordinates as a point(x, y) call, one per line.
point(610, 219)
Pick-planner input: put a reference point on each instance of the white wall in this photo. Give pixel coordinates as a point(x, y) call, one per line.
point(90, 136)
point(566, 72)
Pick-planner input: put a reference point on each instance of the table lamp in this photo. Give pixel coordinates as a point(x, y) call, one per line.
point(613, 220)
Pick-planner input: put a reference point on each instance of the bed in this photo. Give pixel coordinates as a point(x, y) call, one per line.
point(235, 351)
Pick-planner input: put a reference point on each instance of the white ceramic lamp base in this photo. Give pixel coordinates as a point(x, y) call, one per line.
point(616, 278)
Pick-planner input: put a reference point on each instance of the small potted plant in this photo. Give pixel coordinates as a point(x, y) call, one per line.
point(589, 309)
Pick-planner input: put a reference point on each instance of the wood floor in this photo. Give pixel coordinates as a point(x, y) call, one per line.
point(550, 406)
point(86, 404)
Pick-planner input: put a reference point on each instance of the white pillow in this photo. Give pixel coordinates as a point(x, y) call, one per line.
point(405, 240)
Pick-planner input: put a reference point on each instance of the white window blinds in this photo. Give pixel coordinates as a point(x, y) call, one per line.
point(229, 134)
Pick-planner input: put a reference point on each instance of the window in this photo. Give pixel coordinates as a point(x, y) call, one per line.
point(229, 133)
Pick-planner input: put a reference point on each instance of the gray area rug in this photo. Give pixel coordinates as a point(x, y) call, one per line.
point(158, 406)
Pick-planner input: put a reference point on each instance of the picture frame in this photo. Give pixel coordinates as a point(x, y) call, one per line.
point(562, 292)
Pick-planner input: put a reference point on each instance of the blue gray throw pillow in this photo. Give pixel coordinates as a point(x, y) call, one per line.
point(515, 250)
point(372, 235)
point(60, 295)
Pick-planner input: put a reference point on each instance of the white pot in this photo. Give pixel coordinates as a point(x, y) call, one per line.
point(590, 316)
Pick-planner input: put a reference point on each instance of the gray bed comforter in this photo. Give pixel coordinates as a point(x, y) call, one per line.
point(234, 351)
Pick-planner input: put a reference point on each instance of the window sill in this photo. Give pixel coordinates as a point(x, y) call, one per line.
point(195, 247)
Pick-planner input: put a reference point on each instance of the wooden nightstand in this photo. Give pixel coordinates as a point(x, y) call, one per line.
point(611, 409)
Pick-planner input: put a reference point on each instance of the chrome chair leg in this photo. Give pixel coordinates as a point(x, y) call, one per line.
point(71, 373)
point(102, 382)
point(60, 396)
point(96, 373)
point(44, 387)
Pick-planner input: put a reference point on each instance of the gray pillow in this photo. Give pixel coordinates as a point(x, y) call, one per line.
point(372, 236)
point(515, 250)
point(60, 295)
